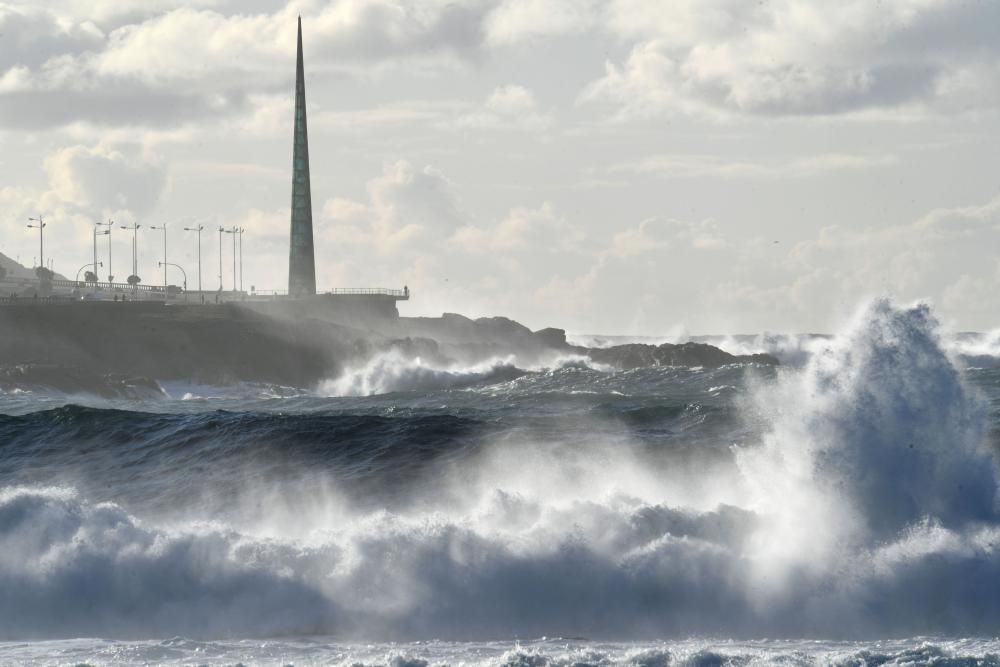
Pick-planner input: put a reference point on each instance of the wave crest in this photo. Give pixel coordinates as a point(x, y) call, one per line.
point(395, 371)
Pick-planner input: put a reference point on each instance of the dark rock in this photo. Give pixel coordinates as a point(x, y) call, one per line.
point(554, 338)
point(503, 329)
point(77, 381)
point(214, 344)
point(637, 355)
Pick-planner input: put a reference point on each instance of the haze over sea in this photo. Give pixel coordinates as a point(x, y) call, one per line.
point(564, 514)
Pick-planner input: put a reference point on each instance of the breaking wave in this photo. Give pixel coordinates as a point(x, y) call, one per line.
point(877, 433)
point(544, 652)
point(395, 371)
point(862, 504)
point(969, 349)
point(790, 349)
point(979, 350)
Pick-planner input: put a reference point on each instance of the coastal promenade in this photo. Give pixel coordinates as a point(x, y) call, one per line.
point(14, 290)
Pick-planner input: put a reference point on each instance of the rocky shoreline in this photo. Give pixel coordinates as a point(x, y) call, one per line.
point(113, 346)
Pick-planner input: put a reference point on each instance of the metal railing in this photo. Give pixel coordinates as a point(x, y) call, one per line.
point(21, 288)
point(117, 287)
point(83, 284)
point(376, 291)
point(339, 291)
point(80, 286)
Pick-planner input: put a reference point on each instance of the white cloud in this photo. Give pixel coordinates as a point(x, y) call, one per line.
point(795, 58)
point(410, 203)
point(653, 275)
point(198, 45)
point(170, 63)
point(114, 12)
point(412, 230)
point(508, 107)
point(524, 231)
point(170, 66)
point(654, 234)
point(644, 87)
point(699, 166)
point(185, 44)
point(513, 21)
point(32, 36)
point(100, 178)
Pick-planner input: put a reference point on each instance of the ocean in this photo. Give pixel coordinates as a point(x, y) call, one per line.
point(839, 509)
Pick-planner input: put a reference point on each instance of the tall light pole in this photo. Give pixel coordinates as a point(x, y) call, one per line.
point(164, 229)
point(241, 257)
point(135, 251)
point(110, 224)
point(198, 229)
point(234, 232)
point(221, 232)
point(96, 234)
point(41, 238)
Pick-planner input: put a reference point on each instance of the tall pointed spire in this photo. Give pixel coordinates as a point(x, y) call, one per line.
point(301, 258)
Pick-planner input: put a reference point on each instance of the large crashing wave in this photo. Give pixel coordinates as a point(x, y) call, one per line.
point(879, 431)
point(867, 510)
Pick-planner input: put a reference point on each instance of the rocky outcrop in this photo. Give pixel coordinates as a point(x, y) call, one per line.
point(292, 343)
point(468, 339)
point(77, 381)
point(636, 355)
point(554, 338)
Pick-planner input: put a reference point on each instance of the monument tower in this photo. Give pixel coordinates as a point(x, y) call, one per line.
point(301, 256)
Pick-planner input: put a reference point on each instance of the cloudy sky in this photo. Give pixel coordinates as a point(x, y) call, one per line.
point(608, 166)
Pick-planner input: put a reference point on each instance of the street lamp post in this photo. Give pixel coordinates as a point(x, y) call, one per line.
point(95, 265)
point(234, 232)
point(198, 229)
point(96, 234)
point(221, 232)
point(135, 252)
point(41, 238)
point(110, 224)
point(241, 257)
point(164, 262)
point(234, 259)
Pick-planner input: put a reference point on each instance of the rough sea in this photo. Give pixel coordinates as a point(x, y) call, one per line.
point(840, 509)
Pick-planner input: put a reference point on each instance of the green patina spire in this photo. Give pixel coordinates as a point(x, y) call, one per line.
point(301, 260)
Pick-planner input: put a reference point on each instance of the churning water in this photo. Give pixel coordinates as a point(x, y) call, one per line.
point(848, 498)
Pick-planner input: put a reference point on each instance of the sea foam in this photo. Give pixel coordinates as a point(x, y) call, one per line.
point(866, 508)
